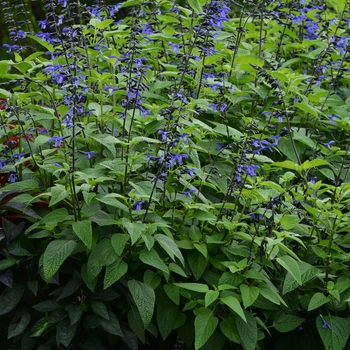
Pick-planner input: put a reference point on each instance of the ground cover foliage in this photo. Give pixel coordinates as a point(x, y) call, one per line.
point(176, 179)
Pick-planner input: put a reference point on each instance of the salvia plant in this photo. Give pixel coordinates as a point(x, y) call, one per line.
point(176, 177)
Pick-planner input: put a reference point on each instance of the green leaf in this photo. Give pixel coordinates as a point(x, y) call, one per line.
point(307, 272)
point(234, 305)
point(337, 337)
point(291, 266)
point(177, 269)
point(197, 262)
point(210, 297)
point(144, 298)
point(268, 293)
point(151, 257)
point(167, 313)
point(119, 241)
point(74, 312)
point(195, 5)
point(111, 325)
point(306, 108)
point(71, 287)
point(55, 255)
point(110, 199)
point(170, 247)
point(307, 165)
point(114, 272)
point(58, 193)
point(195, 287)
point(136, 324)
point(83, 229)
point(248, 331)
point(65, 332)
point(103, 254)
point(205, 324)
point(18, 324)
point(100, 309)
point(287, 164)
point(289, 221)
point(135, 229)
point(229, 329)
point(285, 323)
point(172, 292)
point(317, 300)
point(248, 294)
point(5, 263)
point(203, 215)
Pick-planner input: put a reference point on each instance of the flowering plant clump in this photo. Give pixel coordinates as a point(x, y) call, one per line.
point(176, 176)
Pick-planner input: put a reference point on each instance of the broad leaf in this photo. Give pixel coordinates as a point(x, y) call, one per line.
point(83, 229)
point(234, 305)
point(205, 324)
point(65, 332)
point(18, 324)
point(249, 294)
point(334, 331)
point(153, 259)
point(317, 300)
point(248, 331)
point(54, 256)
point(291, 266)
point(114, 272)
point(144, 298)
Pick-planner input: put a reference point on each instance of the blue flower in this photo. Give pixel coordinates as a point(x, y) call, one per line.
point(329, 144)
point(332, 117)
point(58, 140)
point(138, 205)
point(325, 324)
point(191, 171)
point(12, 177)
point(164, 134)
point(88, 154)
point(175, 47)
point(188, 193)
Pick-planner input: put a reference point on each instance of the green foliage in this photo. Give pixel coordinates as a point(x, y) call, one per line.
point(177, 179)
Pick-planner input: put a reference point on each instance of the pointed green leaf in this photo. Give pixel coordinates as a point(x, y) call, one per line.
point(248, 331)
point(336, 337)
point(234, 305)
point(229, 329)
point(54, 256)
point(151, 257)
point(170, 247)
point(195, 5)
point(249, 294)
point(172, 292)
point(114, 272)
point(144, 298)
point(166, 316)
point(18, 324)
point(111, 325)
point(119, 241)
point(195, 287)
point(135, 229)
point(289, 221)
point(65, 332)
point(205, 324)
point(291, 266)
point(317, 300)
point(210, 297)
point(99, 308)
point(83, 229)
point(286, 322)
point(103, 254)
